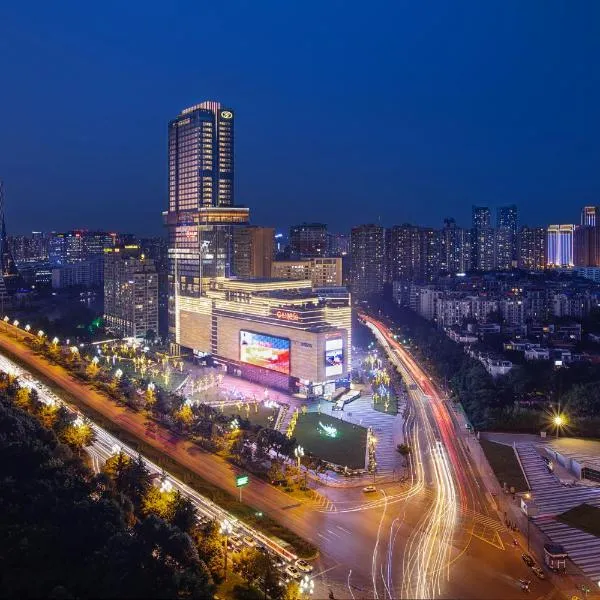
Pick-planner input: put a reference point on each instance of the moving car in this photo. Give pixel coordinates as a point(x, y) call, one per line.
point(249, 541)
point(528, 560)
point(293, 572)
point(369, 489)
point(539, 573)
point(304, 566)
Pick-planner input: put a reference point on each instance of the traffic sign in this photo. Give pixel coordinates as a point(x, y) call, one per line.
point(242, 480)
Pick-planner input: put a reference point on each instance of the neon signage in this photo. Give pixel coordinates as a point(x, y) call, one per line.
point(287, 315)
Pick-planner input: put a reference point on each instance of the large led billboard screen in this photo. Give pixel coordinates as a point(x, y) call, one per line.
point(265, 351)
point(334, 357)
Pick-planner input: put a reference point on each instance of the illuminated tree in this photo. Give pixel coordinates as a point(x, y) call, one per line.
point(158, 503)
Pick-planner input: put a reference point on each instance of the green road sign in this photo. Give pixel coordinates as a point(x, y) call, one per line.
point(242, 480)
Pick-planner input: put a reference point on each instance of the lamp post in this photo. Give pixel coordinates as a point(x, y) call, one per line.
point(528, 497)
point(558, 421)
point(299, 453)
point(307, 586)
point(226, 529)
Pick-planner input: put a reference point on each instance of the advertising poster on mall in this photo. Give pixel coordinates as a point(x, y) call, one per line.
point(266, 351)
point(334, 357)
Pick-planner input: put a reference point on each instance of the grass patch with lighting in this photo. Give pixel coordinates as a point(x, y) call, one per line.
point(505, 465)
point(257, 415)
point(347, 448)
point(585, 517)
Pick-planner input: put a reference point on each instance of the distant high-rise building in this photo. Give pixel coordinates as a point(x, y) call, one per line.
point(560, 245)
point(367, 251)
point(338, 244)
point(323, 272)
point(404, 252)
point(507, 222)
point(75, 246)
point(201, 212)
point(308, 239)
point(157, 249)
point(532, 248)
point(456, 253)
point(484, 247)
point(504, 249)
point(590, 215)
point(481, 217)
point(507, 218)
point(253, 251)
point(10, 278)
point(586, 246)
point(130, 292)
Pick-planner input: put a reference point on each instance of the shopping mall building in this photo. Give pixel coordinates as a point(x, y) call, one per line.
point(283, 334)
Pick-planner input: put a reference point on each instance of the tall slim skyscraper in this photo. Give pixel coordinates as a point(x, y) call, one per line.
point(506, 218)
point(506, 241)
point(590, 215)
point(367, 251)
point(201, 212)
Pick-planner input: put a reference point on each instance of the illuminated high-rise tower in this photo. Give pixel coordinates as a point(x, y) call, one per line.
point(201, 211)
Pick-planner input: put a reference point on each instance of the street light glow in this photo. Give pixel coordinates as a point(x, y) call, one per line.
point(558, 420)
point(226, 527)
point(307, 585)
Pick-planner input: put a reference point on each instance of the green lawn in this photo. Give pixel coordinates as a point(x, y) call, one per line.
point(584, 517)
point(505, 465)
point(348, 448)
point(260, 417)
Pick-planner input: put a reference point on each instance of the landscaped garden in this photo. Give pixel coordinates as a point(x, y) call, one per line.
point(332, 440)
point(255, 412)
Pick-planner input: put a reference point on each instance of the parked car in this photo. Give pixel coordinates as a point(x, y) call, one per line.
point(539, 573)
point(249, 541)
point(292, 572)
point(304, 566)
point(528, 560)
point(369, 489)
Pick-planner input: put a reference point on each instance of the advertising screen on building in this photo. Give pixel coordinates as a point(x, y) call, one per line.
point(334, 357)
point(265, 351)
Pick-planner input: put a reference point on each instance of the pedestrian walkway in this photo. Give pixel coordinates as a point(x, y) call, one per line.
point(583, 548)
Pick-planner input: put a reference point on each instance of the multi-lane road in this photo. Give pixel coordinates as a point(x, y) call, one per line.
point(433, 536)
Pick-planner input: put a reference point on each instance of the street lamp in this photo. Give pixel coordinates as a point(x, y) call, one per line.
point(226, 530)
point(55, 341)
point(166, 486)
point(559, 421)
point(298, 453)
point(41, 333)
point(27, 327)
point(307, 586)
point(16, 322)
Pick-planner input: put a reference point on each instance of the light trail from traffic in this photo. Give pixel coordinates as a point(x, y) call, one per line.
point(105, 445)
point(427, 554)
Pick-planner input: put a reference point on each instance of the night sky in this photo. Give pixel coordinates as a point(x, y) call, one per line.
point(346, 112)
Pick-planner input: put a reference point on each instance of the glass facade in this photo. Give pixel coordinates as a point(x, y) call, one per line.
point(201, 178)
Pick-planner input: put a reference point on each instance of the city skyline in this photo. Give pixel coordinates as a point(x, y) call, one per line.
point(487, 134)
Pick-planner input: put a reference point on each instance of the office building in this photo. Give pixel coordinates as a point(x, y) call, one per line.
point(322, 272)
point(77, 245)
point(308, 239)
point(367, 252)
point(201, 212)
point(590, 216)
point(560, 245)
point(455, 248)
point(481, 217)
point(532, 248)
point(130, 292)
point(253, 251)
